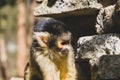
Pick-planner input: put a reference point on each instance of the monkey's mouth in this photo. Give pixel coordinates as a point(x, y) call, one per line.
point(64, 51)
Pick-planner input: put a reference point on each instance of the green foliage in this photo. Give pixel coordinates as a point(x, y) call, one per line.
point(5, 2)
point(8, 18)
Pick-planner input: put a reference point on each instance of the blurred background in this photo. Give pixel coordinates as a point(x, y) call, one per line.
point(16, 22)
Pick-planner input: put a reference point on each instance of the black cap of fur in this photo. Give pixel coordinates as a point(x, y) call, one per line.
point(52, 26)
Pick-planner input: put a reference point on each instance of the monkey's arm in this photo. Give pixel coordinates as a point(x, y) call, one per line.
point(47, 67)
point(72, 73)
point(27, 72)
point(31, 73)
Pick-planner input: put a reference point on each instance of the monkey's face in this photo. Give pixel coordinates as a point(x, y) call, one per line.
point(60, 44)
point(63, 43)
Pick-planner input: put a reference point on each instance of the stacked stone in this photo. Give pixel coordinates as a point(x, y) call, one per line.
point(103, 50)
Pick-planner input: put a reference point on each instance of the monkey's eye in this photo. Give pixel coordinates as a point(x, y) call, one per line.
point(65, 42)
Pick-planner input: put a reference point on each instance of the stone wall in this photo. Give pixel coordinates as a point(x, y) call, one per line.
point(92, 48)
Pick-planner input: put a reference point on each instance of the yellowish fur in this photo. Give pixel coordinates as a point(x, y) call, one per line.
point(53, 66)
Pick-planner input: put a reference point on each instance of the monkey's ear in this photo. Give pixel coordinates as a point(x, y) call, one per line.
point(42, 38)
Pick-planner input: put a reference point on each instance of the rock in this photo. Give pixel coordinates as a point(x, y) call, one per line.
point(66, 7)
point(63, 8)
point(16, 78)
point(104, 20)
point(39, 1)
point(106, 3)
point(108, 19)
point(93, 47)
point(109, 67)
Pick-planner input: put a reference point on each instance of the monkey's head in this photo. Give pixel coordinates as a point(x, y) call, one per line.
point(53, 35)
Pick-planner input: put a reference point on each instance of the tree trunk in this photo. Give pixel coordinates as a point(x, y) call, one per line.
point(21, 38)
point(25, 24)
point(3, 60)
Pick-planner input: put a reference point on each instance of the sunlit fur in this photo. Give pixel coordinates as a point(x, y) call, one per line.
point(51, 53)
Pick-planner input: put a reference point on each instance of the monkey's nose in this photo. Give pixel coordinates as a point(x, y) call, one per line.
point(64, 51)
point(35, 43)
